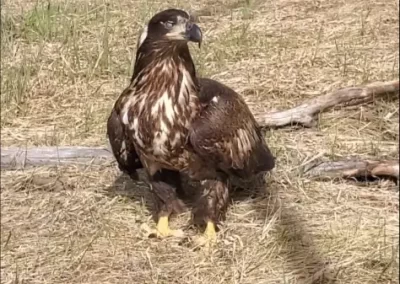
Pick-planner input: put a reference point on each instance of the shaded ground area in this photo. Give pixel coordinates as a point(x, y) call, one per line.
point(65, 63)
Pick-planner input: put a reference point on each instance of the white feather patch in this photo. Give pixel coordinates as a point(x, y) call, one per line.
point(166, 67)
point(123, 151)
point(166, 102)
point(159, 142)
point(125, 118)
point(142, 37)
point(176, 139)
point(163, 127)
point(244, 142)
point(135, 124)
point(186, 85)
point(178, 30)
point(135, 127)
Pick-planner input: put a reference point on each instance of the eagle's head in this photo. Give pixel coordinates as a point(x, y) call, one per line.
point(172, 26)
point(163, 46)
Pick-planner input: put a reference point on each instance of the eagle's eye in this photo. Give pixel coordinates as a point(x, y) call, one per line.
point(169, 24)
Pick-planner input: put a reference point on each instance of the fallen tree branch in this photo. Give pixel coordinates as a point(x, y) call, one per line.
point(354, 169)
point(19, 158)
point(304, 114)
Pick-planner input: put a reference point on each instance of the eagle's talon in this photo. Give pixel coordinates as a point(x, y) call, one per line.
point(165, 234)
point(210, 232)
point(209, 237)
point(164, 231)
point(170, 233)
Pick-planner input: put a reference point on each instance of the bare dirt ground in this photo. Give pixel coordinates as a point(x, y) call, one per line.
point(65, 63)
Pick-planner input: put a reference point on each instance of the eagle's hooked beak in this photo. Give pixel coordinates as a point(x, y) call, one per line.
point(193, 33)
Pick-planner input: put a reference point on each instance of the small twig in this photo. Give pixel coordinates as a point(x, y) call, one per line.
point(304, 114)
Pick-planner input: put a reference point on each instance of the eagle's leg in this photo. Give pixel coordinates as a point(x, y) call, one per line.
point(164, 185)
point(211, 207)
point(174, 179)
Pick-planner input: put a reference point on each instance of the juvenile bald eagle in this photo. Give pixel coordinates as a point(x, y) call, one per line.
point(169, 121)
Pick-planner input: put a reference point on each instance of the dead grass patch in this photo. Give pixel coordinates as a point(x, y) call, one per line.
point(64, 65)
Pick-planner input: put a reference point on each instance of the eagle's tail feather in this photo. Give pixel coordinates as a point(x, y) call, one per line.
point(263, 158)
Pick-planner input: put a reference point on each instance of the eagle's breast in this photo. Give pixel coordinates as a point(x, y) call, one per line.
point(160, 110)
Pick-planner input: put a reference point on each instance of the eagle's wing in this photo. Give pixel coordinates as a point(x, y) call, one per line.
point(226, 135)
point(121, 146)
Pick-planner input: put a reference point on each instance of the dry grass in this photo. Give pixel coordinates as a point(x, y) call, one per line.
point(64, 65)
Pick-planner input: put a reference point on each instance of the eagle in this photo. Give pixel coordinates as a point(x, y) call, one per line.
point(169, 121)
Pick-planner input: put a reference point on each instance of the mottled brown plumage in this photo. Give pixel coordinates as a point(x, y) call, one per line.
point(121, 145)
point(169, 121)
point(226, 135)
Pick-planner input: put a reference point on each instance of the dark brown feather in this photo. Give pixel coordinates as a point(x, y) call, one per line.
point(123, 149)
point(226, 135)
point(213, 203)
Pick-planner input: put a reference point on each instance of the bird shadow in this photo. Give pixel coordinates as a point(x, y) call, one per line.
point(138, 189)
point(135, 189)
point(298, 245)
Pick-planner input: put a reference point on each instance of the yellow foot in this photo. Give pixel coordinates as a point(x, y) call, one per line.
point(163, 229)
point(210, 232)
point(209, 237)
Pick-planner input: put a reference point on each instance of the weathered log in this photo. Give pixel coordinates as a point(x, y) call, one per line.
point(354, 168)
point(304, 114)
point(19, 158)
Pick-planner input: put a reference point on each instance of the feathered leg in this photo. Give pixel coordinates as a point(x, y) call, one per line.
point(164, 184)
point(212, 206)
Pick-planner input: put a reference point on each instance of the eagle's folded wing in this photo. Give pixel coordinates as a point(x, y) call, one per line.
point(124, 152)
point(226, 134)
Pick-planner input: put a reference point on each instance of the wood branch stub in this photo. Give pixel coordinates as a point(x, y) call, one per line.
point(304, 114)
point(355, 169)
point(19, 158)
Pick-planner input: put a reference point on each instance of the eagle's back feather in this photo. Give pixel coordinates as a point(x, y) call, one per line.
point(226, 134)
